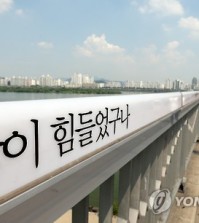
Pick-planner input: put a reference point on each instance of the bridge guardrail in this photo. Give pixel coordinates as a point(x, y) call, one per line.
point(142, 122)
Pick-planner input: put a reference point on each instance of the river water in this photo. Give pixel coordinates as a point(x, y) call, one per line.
point(12, 96)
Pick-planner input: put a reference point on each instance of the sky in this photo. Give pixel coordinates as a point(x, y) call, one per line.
point(148, 40)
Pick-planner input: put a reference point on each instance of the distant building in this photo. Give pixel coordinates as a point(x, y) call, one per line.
point(168, 84)
point(194, 83)
point(87, 81)
point(129, 84)
point(59, 82)
point(141, 85)
point(100, 85)
point(33, 82)
point(113, 84)
point(178, 85)
point(3, 81)
point(80, 80)
point(21, 81)
point(46, 80)
point(148, 84)
point(76, 79)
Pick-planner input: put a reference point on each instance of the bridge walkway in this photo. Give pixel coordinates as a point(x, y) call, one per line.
point(190, 214)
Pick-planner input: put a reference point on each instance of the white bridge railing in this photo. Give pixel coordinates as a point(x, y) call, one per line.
point(54, 153)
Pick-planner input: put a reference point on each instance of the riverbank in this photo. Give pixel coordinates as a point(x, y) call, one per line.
point(61, 90)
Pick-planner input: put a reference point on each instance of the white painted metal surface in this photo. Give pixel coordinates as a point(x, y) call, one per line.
point(40, 137)
point(189, 97)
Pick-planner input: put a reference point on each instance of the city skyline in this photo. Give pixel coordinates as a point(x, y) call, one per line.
point(123, 40)
point(78, 80)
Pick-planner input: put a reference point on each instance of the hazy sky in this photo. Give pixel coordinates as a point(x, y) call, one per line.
point(112, 39)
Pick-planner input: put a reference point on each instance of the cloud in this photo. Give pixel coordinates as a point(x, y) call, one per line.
point(100, 56)
point(19, 12)
point(173, 45)
point(163, 7)
point(150, 54)
point(151, 62)
point(5, 5)
point(172, 53)
point(166, 28)
point(45, 45)
point(98, 45)
point(191, 24)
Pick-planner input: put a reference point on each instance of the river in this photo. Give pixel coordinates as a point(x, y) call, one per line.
point(12, 96)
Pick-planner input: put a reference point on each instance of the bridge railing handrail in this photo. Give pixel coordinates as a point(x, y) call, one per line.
point(65, 189)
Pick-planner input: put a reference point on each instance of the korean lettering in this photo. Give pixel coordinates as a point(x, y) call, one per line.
point(6, 145)
point(23, 139)
point(64, 130)
point(99, 119)
point(36, 142)
point(61, 134)
point(127, 116)
point(117, 118)
point(86, 130)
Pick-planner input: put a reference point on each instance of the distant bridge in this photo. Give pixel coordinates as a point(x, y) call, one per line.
point(54, 153)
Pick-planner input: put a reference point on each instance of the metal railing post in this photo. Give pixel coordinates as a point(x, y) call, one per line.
point(80, 211)
point(106, 201)
point(175, 164)
point(124, 193)
point(184, 145)
point(144, 186)
point(155, 173)
point(166, 157)
point(135, 189)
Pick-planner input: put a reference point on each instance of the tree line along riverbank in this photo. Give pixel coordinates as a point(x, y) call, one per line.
point(62, 90)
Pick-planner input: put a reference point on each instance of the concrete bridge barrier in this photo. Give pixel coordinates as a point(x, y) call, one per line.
point(54, 153)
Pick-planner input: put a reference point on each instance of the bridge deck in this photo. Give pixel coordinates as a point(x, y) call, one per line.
point(184, 214)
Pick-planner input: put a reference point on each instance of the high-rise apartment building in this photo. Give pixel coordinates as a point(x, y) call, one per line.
point(194, 83)
point(46, 80)
point(168, 84)
point(78, 79)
